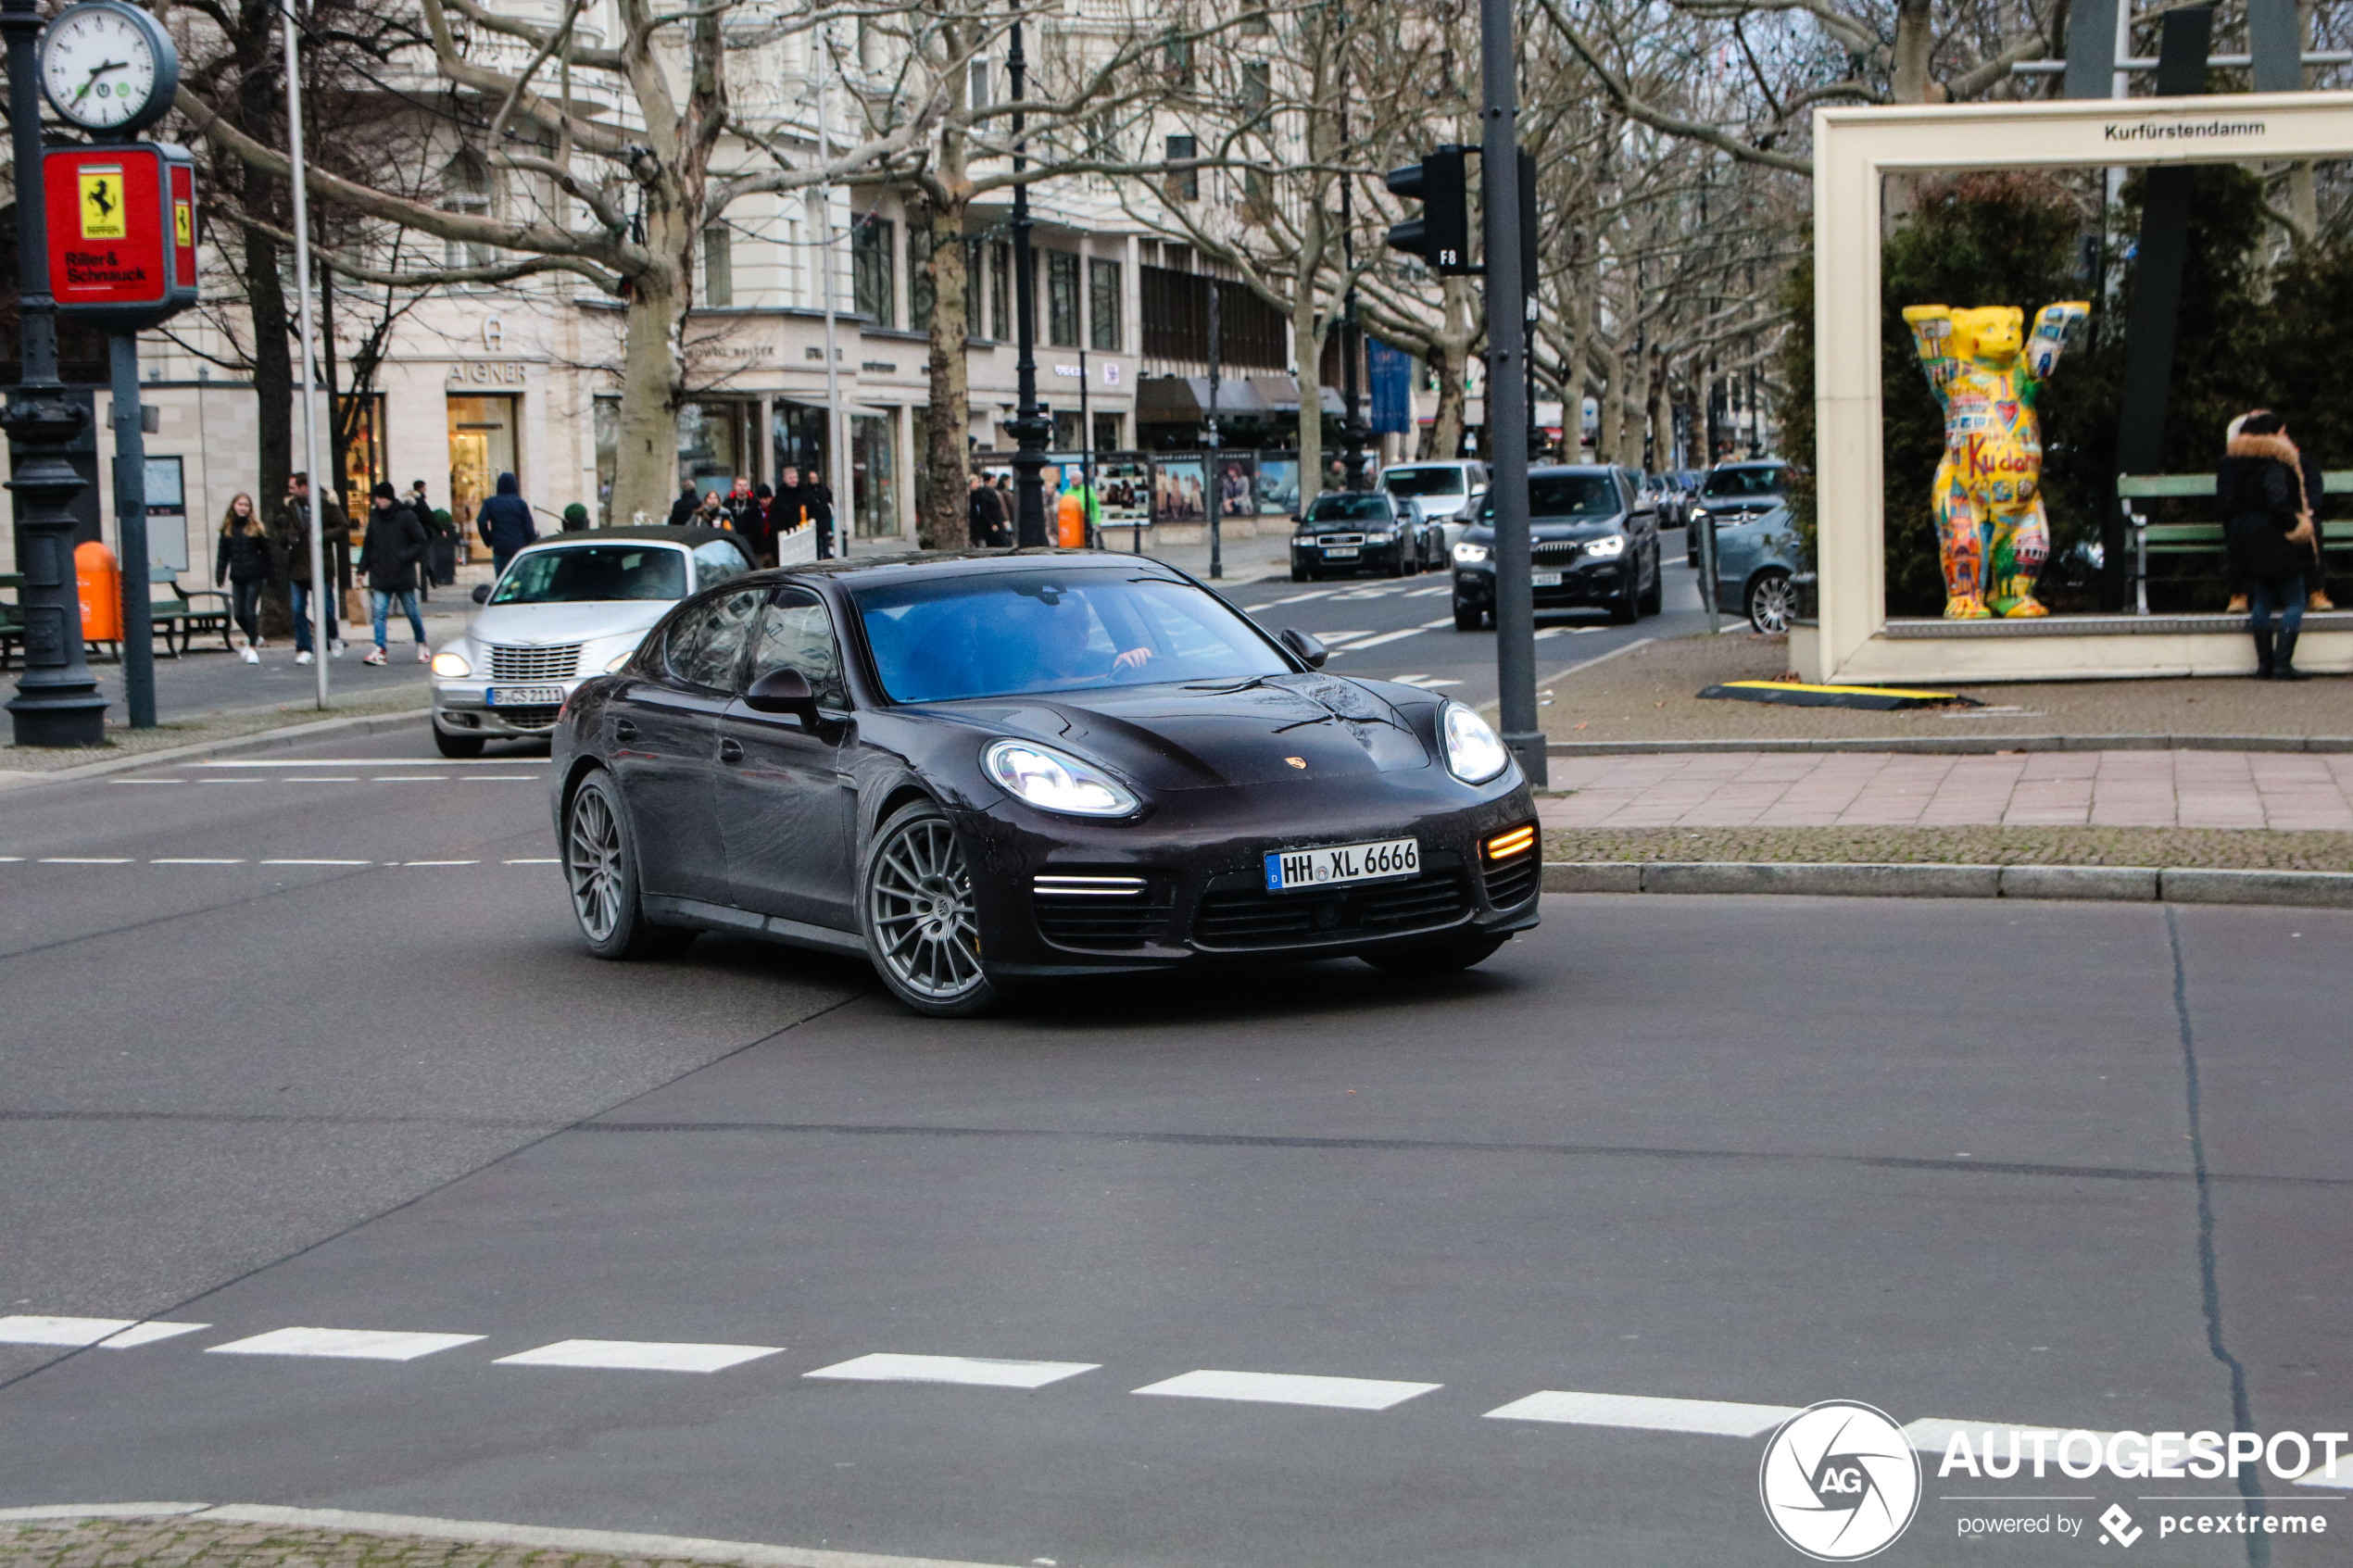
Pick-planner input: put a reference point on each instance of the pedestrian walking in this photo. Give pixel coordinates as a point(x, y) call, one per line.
point(985, 515)
point(247, 563)
point(505, 523)
point(683, 509)
point(742, 507)
point(2268, 534)
point(290, 542)
point(759, 527)
point(396, 544)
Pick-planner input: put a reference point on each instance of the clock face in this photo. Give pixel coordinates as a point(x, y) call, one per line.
point(98, 66)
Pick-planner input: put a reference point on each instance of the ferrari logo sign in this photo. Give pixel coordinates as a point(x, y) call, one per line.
point(102, 201)
point(184, 225)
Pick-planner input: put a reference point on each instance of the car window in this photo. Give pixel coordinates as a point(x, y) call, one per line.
point(797, 633)
point(1725, 484)
point(586, 574)
point(1350, 507)
point(717, 561)
point(705, 646)
point(1423, 482)
point(1565, 495)
point(1011, 633)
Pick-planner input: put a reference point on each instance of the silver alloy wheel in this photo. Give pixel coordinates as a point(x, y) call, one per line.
point(919, 901)
point(1772, 603)
point(592, 864)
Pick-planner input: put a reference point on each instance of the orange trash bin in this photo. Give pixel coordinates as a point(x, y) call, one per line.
point(99, 580)
point(1070, 519)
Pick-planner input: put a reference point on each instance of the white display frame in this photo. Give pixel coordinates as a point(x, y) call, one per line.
point(1850, 638)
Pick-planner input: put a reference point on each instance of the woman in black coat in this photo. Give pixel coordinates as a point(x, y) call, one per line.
point(245, 563)
point(2267, 530)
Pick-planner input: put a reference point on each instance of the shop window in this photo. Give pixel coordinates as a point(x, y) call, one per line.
point(874, 476)
point(482, 447)
point(1062, 299)
point(1184, 185)
point(360, 422)
point(1104, 305)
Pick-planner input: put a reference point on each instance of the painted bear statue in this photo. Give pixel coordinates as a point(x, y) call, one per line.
point(1992, 533)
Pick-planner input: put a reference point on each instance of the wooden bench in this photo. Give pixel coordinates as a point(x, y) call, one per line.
point(2195, 538)
point(182, 615)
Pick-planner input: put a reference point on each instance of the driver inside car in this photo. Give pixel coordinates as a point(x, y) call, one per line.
point(1065, 639)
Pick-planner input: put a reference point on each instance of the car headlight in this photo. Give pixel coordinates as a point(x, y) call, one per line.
point(1474, 752)
point(451, 665)
point(1698, 513)
point(1380, 536)
point(1603, 549)
point(1055, 781)
point(619, 661)
point(1468, 554)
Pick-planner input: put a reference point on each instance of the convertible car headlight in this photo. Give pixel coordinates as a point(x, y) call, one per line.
point(1055, 781)
point(1603, 549)
point(1474, 753)
point(451, 666)
point(619, 661)
point(1469, 554)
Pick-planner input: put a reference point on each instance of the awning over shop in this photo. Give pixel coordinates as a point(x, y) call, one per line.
point(1185, 399)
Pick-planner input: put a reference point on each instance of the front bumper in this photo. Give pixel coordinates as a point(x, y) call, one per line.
point(463, 708)
point(1582, 582)
point(1314, 558)
point(1202, 863)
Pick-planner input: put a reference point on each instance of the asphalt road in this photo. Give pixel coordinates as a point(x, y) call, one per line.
point(1942, 1157)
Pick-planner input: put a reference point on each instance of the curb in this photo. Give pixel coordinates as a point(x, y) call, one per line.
point(1959, 746)
point(613, 1543)
point(259, 740)
point(2142, 885)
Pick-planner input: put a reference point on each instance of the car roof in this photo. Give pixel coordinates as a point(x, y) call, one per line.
point(915, 564)
point(687, 538)
point(1756, 463)
point(1535, 470)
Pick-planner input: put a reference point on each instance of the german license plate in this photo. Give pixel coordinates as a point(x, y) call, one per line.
point(1544, 579)
point(1289, 870)
point(525, 696)
point(1340, 552)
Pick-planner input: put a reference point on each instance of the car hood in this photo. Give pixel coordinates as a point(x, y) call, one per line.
point(1552, 529)
point(542, 625)
point(1365, 525)
point(1442, 508)
point(1208, 735)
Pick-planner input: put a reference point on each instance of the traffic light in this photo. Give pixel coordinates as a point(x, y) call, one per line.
point(1441, 235)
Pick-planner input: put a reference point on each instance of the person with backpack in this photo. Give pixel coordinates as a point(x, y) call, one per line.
point(394, 546)
point(245, 562)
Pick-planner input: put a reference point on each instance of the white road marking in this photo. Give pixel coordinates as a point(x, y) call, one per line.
point(1328, 638)
point(121, 1333)
point(983, 1370)
point(639, 1355)
point(352, 1344)
point(1427, 683)
point(338, 778)
point(1386, 637)
point(1297, 599)
point(551, 860)
point(83, 860)
point(441, 862)
point(317, 862)
point(229, 781)
point(191, 860)
point(410, 778)
point(1651, 1414)
point(1288, 1389)
point(497, 778)
point(372, 763)
point(10, 860)
point(1426, 593)
point(146, 781)
point(1931, 1434)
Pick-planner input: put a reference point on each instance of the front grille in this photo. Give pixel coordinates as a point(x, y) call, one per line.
point(1555, 551)
point(1237, 912)
point(1101, 920)
point(1330, 539)
point(534, 717)
point(1513, 883)
point(557, 663)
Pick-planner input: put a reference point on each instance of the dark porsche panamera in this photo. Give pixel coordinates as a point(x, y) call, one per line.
point(986, 769)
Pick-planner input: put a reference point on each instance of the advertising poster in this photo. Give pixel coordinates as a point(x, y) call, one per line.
point(1124, 488)
point(1179, 490)
point(1279, 484)
point(1237, 484)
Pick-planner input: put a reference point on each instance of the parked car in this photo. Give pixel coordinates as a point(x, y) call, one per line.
point(1347, 531)
point(566, 609)
point(1594, 544)
point(1756, 555)
point(1732, 490)
point(985, 769)
point(1449, 492)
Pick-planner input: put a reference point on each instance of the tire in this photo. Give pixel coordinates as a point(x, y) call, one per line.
point(1298, 573)
point(915, 910)
point(1468, 618)
point(1770, 601)
point(1427, 964)
point(458, 746)
point(1397, 568)
point(1655, 596)
point(1625, 609)
point(601, 872)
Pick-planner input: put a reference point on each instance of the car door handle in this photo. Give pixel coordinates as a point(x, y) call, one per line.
point(623, 729)
point(730, 751)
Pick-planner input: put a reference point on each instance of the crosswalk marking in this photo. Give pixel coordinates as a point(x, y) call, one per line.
point(981, 1370)
point(353, 1344)
point(1384, 637)
point(195, 860)
point(84, 860)
point(317, 862)
point(440, 862)
point(1718, 1416)
point(120, 1334)
point(1426, 593)
point(639, 1355)
point(1931, 1434)
point(1288, 1389)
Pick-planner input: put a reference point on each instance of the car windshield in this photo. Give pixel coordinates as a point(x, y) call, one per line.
point(1010, 633)
point(1358, 507)
point(1725, 484)
point(1564, 495)
point(583, 573)
point(1423, 482)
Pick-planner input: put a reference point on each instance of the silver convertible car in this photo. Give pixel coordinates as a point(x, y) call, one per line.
point(565, 608)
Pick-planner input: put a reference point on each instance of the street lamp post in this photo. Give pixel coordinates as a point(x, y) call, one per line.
point(57, 702)
point(1507, 393)
point(1352, 338)
point(1211, 440)
point(1029, 426)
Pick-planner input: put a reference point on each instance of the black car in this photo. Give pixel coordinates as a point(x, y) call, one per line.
point(1731, 492)
point(1594, 544)
point(1348, 530)
point(987, 767)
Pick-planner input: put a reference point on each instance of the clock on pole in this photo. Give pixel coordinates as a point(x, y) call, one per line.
point(109, 68)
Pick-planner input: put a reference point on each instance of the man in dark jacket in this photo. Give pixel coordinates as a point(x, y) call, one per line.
point(290, 542)
point(683, 509)
point(396, 544)
point(506, 525)
point(985, 523)
point(2268, 534)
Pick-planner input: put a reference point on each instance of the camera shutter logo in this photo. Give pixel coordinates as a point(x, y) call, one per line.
point(1840, 1482)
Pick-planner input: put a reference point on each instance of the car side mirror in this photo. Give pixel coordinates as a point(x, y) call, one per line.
point(784, 691)
point(1311, 652)
point(482, 593)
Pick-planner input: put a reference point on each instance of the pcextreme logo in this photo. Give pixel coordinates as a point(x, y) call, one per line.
point(1840, 1482)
